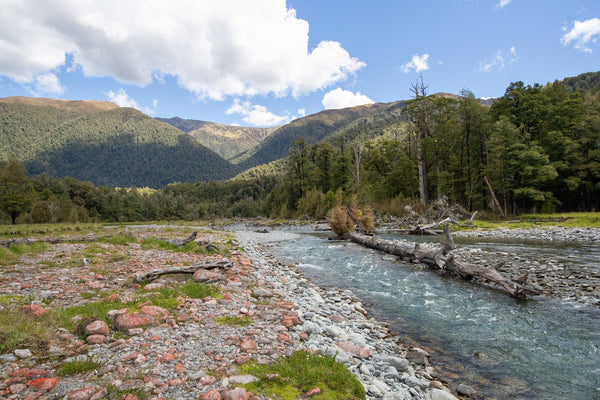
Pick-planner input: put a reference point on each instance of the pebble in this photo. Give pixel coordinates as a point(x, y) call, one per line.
point(176, 354)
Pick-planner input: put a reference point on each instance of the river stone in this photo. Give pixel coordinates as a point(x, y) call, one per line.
point(439, 394)
point(336, 332)
point(465, 390)
point(398, 394)
point(125, 322)
point(401, 364)
point(97, 328)
point(311, 328)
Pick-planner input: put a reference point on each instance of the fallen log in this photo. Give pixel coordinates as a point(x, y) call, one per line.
point(182, 242)
point(190, 269)
point(52, 240)
point(440, 258)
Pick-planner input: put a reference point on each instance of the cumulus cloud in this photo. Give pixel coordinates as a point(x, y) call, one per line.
point(122, 99)
point(214, 48)
point(582, 34)
point(257, 115)
point(499, 60)
point(48, 83)
point(417, 63)
point(339, 98)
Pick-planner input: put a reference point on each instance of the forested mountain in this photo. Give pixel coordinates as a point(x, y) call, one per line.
point(103, 143)
point(585, 83)
point(226, 140)
point(312, 128)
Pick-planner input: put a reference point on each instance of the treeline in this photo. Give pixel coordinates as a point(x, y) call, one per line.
point(44, 199)
point(537, 149)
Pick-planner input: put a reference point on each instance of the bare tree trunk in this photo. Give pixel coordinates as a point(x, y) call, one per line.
point(494, 198)
point(440, 259)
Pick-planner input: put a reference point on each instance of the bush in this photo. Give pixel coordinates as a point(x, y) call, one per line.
point(339, 221)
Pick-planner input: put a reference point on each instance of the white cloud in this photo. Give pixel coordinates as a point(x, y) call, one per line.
point(213, 48)
point(503, 3)
point(48, 83)
point(301, 112)
point(418, 63)
point(122, 99)
point(498, 61)
point(339, 98)
point(257, 115)
point(582, 34)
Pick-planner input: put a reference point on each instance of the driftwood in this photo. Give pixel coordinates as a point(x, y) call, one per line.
point(440, 259)
point(52, 240)
point(182, 242)
point(190, 269)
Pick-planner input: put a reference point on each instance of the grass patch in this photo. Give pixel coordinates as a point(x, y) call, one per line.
point(78, 367)
point(302, 372)
point(119, 240)
point(10, 255)
point(20, 332)
point(235, 321)
point(528, 221)
point(14, 300)
point(153, 243)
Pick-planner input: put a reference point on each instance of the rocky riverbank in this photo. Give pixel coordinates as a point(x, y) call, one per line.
point(185, 352)
point(562, 278)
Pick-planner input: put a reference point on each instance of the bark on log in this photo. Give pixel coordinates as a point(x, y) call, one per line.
point(190, 269)
point(439, 258)
point(182, 242)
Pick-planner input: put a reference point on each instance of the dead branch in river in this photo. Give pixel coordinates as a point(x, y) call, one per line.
point(441, 259)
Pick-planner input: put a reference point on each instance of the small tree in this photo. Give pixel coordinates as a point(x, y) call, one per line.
point(16, 191)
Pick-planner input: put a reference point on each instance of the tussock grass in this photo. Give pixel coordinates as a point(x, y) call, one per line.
point(289, 378)
point(78, 367)
point(234, 321)
point(20, 332)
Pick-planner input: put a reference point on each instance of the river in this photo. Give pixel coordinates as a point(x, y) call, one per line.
point(506, 349)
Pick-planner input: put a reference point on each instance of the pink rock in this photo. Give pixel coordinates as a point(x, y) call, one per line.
point(113, 314)
point(313, 392)
point(212, 394)
point(95, 339)
point(33, 310)
point(354, 349)
point(237, 394)
point(97, 328)
point(248, 345)
point(43, 383)
point(208, 380)
point(125, 322)
point(154, 311)
point(16, 388)
point(82, 394)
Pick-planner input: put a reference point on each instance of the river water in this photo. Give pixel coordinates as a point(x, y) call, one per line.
point(506, 349)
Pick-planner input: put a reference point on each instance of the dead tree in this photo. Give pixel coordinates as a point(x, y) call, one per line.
point(190, 269)
point(440, 258)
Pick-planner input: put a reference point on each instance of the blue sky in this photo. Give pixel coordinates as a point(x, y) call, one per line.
point(266, 62)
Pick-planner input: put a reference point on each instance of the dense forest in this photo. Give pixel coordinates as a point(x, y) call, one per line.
point(107, 146)
point(537, 148)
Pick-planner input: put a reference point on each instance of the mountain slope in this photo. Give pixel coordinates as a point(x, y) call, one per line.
point(104, 145)
point(313, 128)
point(225, 140)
